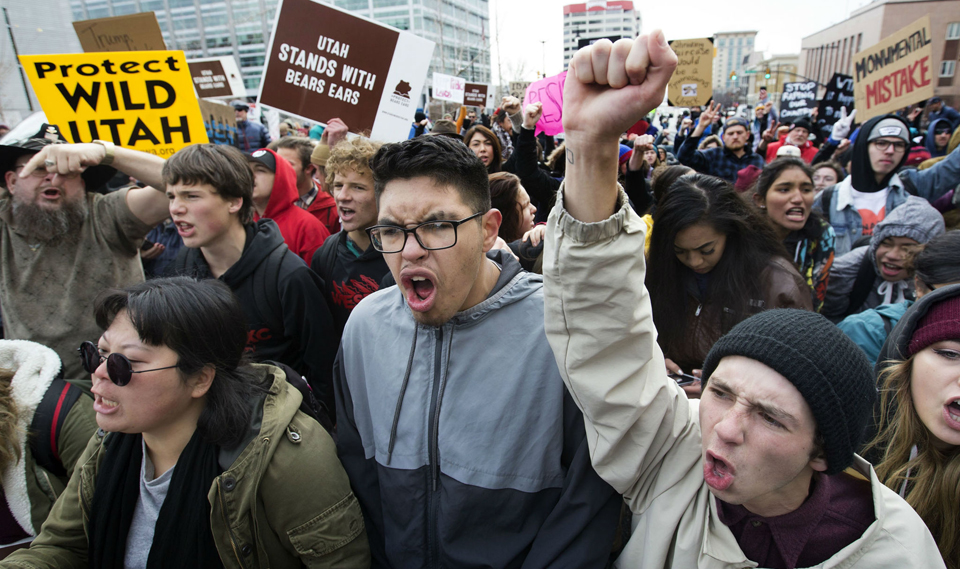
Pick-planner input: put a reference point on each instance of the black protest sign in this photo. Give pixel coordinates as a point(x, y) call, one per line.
point(797, 100)
point(839, 94)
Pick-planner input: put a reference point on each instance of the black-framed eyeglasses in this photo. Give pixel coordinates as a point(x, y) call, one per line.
point(119, 368)
point(431, 235)
point(882, 145)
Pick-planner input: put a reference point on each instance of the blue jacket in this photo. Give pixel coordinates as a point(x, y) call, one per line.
point(929, 141)
point(462, 443)
point(251, 136)
point(869, 329)
point(930, 184)
point(945, 112)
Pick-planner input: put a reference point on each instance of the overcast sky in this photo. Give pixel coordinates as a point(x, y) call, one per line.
point(780, 24)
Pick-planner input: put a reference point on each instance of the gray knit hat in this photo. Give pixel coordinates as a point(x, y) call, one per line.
point(827, 368)
point(889, 127)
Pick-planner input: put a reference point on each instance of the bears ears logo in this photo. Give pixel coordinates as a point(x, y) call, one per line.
point(402, 89)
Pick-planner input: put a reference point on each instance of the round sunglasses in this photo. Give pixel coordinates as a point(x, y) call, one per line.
point(119, 368)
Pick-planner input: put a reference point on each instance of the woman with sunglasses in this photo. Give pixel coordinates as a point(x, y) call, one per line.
point(201, 459)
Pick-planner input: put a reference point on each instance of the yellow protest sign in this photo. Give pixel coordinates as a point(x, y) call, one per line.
point(692, 82)
point(896, 72)
point(142, 100)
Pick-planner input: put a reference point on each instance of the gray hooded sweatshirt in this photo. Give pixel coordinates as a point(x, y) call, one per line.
point(915, 219)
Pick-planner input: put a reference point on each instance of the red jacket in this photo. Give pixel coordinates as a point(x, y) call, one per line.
point(807, 150)
point(302, 232)
point(324, 208)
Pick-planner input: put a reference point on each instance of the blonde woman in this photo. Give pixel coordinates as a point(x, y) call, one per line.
point(919, 438)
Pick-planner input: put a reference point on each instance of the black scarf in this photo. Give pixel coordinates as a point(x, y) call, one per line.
point(864, 179)
point(182, 537)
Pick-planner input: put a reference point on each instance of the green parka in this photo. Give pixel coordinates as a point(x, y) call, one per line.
point(282, 501)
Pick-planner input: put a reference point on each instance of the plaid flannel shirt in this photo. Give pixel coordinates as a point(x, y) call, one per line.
point(718, 162)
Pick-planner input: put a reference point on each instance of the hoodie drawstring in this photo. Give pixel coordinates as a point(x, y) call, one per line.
point(403, 390)
point(886, 289)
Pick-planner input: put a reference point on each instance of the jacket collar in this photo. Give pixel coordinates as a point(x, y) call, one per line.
point(845, 196)
point(720, 549)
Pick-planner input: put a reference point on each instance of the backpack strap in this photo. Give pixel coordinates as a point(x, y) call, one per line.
point(266, 289)
point(47, 423)
point(866, 274)
point(310, 405)
point(887, 323)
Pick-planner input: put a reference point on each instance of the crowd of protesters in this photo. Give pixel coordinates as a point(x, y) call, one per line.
point(712, 341)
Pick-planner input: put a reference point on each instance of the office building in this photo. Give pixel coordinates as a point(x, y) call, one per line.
point(733, 49)
point(585, 23)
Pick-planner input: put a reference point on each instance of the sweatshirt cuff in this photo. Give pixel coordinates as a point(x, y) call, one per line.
point(623, 219)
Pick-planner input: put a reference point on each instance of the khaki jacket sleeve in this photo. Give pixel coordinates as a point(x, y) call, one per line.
point(79, 425)
point(643, 433)
point(309, 503)
point(62, 543)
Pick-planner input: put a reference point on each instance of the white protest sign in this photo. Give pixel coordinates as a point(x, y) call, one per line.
point(448, 88)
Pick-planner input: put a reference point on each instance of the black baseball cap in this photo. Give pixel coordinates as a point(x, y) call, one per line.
point(94, 177)
point(264, 157)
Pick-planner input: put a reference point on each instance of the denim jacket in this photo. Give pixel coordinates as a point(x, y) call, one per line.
point(929, 184)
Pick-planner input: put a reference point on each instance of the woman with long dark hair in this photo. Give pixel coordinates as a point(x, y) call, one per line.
point(919, 439)
point(485, 144)
point(202, 459)
point(714, 261)
point(784, 193)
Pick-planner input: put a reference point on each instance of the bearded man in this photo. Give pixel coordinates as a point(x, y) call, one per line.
point(60, 244)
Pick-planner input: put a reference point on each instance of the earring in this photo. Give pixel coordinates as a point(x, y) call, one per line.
point(763, 207)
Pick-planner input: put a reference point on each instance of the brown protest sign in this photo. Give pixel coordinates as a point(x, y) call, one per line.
point(894, 73)
point(133, 32)
point(475, 95)
point(692, 82)
point(210, 79)
point(325, 63)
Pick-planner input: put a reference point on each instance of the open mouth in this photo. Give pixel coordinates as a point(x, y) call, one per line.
point(51, 193)
point(951, 412)
point(104, 406)
point(717, 473)
point(890, 270)
point(420, 291)
point(345, 213)
point(798, 214)
point(185, 229)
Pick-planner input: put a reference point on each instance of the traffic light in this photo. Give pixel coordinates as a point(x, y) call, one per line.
point(733, 75)
point(766, 73)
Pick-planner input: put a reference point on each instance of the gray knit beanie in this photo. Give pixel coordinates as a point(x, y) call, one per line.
point(889, 127)
point(827, 368)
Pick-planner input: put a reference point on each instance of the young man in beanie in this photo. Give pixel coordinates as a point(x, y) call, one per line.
point(876, 185)
point(756, 472)
point(799, 136)
point(724, 162)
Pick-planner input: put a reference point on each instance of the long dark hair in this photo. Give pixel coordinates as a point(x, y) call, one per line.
point(202, 322)
point(750, 244)
point(504, 188)
point(495, 163)
point(812, 229)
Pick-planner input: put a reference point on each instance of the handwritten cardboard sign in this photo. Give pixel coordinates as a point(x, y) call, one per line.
point(133, 32)
point(220, 122)
point(797, 100)
point(518, 89)
point(549, 92)
point(138, 99)
point(324, 62)
point(896, 72)
point(217, 77)
point(692, 82)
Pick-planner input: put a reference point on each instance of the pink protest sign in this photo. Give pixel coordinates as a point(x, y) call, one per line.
point(549, 92)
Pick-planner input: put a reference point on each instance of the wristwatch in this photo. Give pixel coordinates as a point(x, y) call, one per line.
point(109, 149)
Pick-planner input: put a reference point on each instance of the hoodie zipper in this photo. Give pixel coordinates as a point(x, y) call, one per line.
point(433, 459)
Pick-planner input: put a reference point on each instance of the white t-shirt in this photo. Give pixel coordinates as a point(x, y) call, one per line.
point(872, 207)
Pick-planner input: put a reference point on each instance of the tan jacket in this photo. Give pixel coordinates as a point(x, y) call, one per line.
point(643, 433)
point(285, 501)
